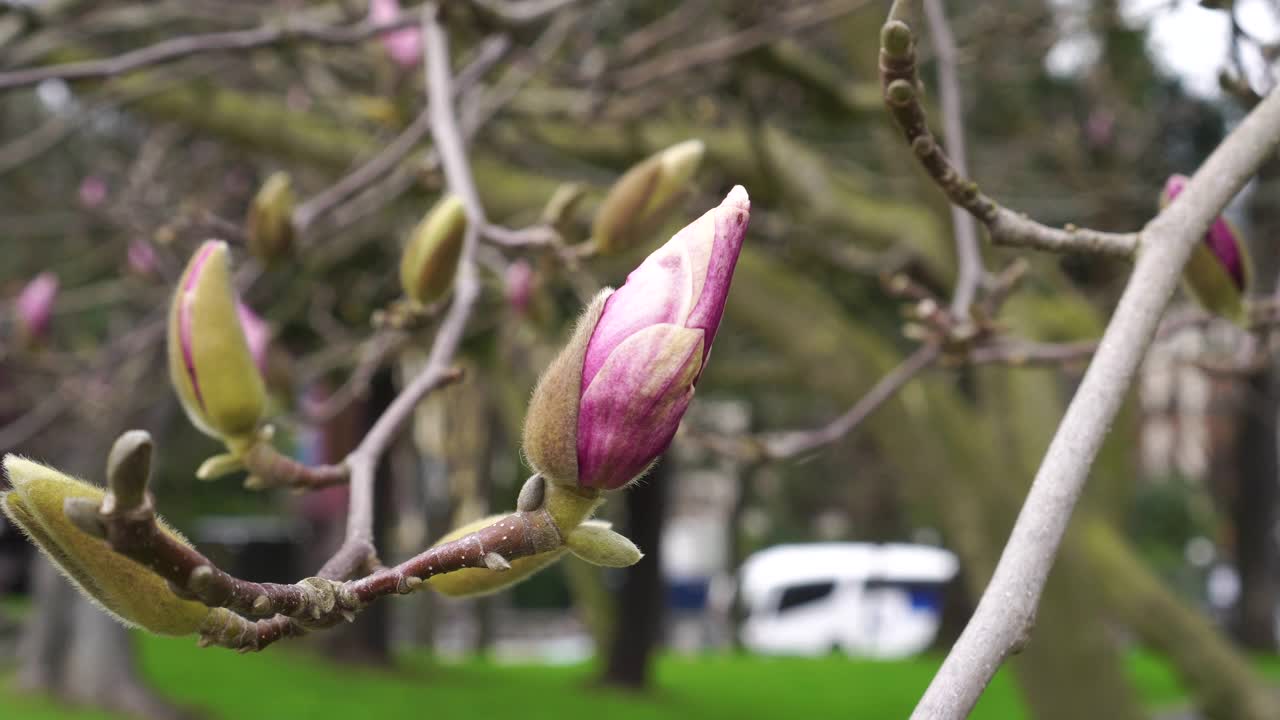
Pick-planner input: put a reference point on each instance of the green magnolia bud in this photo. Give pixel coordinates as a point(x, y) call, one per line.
point(596, 543)
point(483, 581)
point(210, 365)
point(430, 258)
point(568, 508)
point(269, 225)
point(640, 200)
point(124, 589)
point(559, 210)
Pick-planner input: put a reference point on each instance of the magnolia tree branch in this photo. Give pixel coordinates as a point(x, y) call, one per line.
point(902, 92)
point(968, 254)
point(1003, 620)
point(175, 49)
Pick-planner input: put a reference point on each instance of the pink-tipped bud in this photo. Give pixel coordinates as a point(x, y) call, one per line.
point(33, 309)
point(141, 257)
point(1218, 273)
point(611, 403)
point(403, 46)
point(92, 192)
point(518, 285)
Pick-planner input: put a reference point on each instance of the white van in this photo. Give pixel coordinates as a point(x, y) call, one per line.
point(864, 599)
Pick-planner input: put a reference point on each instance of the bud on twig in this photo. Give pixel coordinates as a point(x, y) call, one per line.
point(610, 403)
point(269, 225)
point(640, 200)
point(210, 365)
point(33, 309)
point(124, 589)
point(430, 258)
point(1218, 273)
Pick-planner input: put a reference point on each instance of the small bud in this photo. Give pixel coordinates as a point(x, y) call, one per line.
point(610, 403)
point(210, 365)
point(141, 257)
point(34, 307)
point(92, 192)
point(518, 286)
point(597, 544)
point(639, 202)
point(123, 588)
point(218, 465)
point(430, 258)
point(1218, 273)
point(560, 208)
point(469, 582)
point(269, 224)
point(403, 46)
point(531, 494)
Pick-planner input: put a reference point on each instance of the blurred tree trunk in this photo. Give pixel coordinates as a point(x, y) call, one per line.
point(1222, 682)
point(641, 602)
point(1254, 503)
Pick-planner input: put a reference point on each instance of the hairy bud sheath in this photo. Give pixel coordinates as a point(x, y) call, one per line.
point(640, 200)
point(269, 224)
point(430, 258)
point(1219, 272)
point(610, 403)
point(210, 364)
point(124, 589)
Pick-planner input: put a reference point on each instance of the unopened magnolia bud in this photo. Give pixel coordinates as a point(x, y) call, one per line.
point(483, 581)
point(403, 46)
point(518, 286)
point(33, 309)
point(596, 543)
point(1218, 273)
point(430, 258)
point(123, 588)
point(564, 202)
point(640, 200)
point(611, 402)
point(269, 225)
point(141, 257)
point(210, 365)
point(257, 334)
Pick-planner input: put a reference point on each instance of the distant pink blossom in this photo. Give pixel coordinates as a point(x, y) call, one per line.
point(93, 192)
point(34, 307)
point(518, 285)
point(257, 333)
point(404, 46)
point(142, 257)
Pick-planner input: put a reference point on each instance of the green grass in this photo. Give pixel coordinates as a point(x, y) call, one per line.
point(283, 684)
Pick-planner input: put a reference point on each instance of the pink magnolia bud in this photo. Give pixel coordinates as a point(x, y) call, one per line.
point(1218, 272)
point(635, 358)
point(93, 191)
point(404, 46)
point(142, 257)
point(34, 306)
point(518, 285)
point(257, 333)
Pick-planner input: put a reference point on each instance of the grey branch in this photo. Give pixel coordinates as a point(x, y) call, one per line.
point(1003, 620)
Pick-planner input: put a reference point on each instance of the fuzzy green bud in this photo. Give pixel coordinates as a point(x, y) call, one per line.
point(640, 201)
point(269, 224)
point(124, 589)
point(210, 365)
point(595, 542)
point(430, 258)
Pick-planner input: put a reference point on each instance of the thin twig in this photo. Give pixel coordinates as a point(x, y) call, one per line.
point(902, 90)
point(968, 254)
point(191, 45)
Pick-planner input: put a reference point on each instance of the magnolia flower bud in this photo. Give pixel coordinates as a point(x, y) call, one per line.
point(123, 588)
point(34, 306)
point(210, 365)
point(92, 192)
point(141, 257)
point(430, 258)
point(610, 403)
point(1218, 272)
point(269, 225)
point(640, 200)
point(257, 334)
point(403, 46)
point(518, 285)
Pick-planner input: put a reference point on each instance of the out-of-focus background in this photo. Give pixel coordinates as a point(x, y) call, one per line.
point(828, 584)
